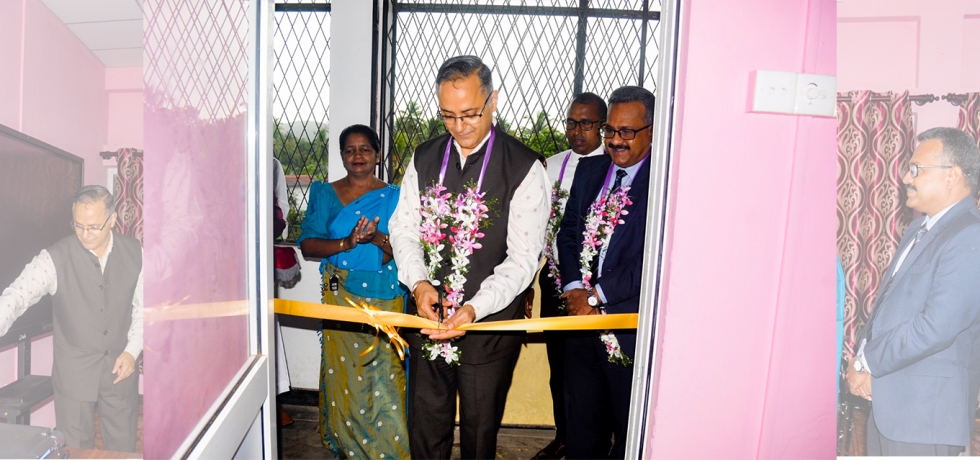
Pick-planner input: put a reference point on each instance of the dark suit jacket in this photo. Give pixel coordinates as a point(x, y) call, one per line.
point(923, 353)
point(622, 268)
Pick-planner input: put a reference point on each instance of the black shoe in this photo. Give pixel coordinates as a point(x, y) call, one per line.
point(555, 449)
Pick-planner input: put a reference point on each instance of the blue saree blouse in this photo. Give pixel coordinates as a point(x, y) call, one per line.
point(328, 218)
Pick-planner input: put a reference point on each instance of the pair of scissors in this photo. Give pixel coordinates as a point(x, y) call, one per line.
point(441, 309)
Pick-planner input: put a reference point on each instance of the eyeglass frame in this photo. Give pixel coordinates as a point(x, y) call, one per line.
point(913, 169)
point(571, 124)
point(76, 228)
point(604, 129)
point(451, 119)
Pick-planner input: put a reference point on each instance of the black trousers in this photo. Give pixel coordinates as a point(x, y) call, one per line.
point(433, 386)
point(118, 406)
point(879, 445)
point(555, 344)
point(597, 399)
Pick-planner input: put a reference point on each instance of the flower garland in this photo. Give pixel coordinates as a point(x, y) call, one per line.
point(604, 215)
point(435, 205)
point(462, 214)
point(558, 199)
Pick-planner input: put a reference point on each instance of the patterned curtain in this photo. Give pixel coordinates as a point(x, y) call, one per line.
point(128, 191)
point(969, 120)
point(874, 141)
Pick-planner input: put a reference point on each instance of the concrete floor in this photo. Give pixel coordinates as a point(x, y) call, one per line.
point(301, 440)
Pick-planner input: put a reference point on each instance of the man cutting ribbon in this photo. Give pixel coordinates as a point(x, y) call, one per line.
point(472, 216)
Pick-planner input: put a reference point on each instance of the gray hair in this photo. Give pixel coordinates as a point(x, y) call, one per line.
point(459, 67)
point(93, 194)
point(959, 149)
point(635, 94)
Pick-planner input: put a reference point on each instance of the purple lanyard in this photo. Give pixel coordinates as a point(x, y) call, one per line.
point(561, 174)
point(486, 159)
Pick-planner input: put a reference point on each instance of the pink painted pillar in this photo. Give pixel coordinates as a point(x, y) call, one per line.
point(746, 353)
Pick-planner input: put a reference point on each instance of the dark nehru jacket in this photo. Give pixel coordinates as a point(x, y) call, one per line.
point(92, 312)
point(509, 164)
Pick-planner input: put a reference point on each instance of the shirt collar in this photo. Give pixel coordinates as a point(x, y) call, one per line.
point(108, 249)
point(596, 152)
point(930, 221)
point(475, 149)
point(630, 171)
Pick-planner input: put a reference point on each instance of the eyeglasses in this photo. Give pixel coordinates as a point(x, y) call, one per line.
point(586, 125)
point(913, 169)
point(625, 133)
point(467, 119)
point(91, 228)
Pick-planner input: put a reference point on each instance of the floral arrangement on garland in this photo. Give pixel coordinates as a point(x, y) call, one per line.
point(463, 215)
point(604, 215)
point(558, 199)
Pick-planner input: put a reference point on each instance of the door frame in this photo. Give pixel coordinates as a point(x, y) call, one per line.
point(650, 323)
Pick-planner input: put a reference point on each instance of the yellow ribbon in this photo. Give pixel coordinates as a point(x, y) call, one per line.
point(378, 319)
point(391, 331)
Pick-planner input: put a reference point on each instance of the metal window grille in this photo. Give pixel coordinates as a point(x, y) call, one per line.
point(542, 53)
point(301, 100)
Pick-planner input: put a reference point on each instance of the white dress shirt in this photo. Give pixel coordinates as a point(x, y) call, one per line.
point(930, 221)
point(39, 278)
point(526, 222)
point(557, 160)
point(554, 167)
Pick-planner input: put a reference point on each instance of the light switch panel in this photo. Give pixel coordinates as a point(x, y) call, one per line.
point(774, 92)
point(815, 95)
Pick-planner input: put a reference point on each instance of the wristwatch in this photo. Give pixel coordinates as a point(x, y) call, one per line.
point(593, 298)
point(859, 365)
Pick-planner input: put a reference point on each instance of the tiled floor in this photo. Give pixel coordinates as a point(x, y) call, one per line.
point(301, 440)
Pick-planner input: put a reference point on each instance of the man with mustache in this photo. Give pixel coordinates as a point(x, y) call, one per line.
point(96, 280)
point(597, 390)
point(920, 348)
point(585, 116)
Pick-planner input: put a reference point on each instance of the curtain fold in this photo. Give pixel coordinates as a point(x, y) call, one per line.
point(874, 141)
point(969, 119)
point(128, 190)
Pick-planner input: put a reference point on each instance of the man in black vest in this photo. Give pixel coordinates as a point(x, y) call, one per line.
point(597, 391)
point(96, 280)
point(518, 193)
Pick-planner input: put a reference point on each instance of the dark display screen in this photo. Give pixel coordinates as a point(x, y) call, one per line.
point(37, 185)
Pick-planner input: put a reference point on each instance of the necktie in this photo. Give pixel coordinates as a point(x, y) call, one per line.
point(881, 294)
point(620, 174)
point(919, 234)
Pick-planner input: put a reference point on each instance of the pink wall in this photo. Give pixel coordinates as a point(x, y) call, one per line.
point(124, 89)
point(746, 351)
point(923, 46)
point(51, 88)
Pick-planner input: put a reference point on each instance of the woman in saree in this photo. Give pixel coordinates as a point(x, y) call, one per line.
point(362, 398)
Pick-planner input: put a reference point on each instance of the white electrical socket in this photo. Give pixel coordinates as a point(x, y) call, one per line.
point(775, 92)
point(795, 94)
point(815, 95)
